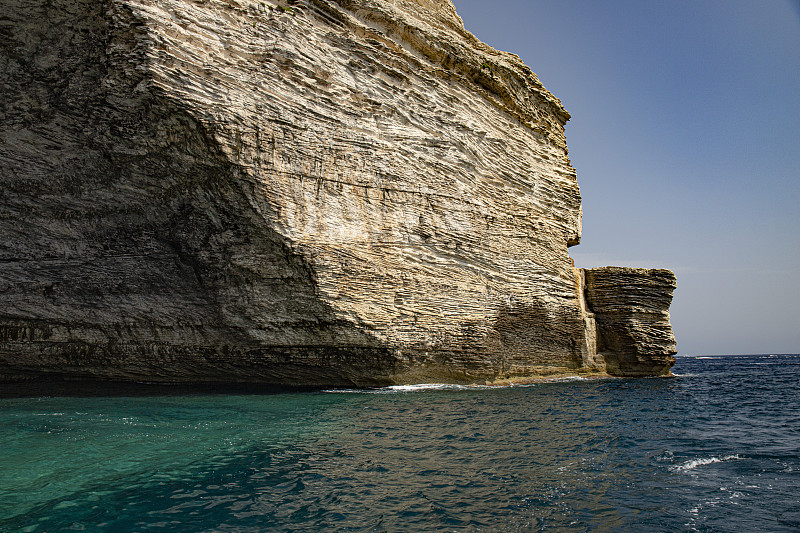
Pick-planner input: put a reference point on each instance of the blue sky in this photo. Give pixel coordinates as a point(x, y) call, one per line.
point(685, 134)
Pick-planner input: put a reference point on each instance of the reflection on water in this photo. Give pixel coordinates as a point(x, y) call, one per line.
point(715, 449)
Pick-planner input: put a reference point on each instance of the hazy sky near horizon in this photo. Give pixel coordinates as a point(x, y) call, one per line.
point(685, 134)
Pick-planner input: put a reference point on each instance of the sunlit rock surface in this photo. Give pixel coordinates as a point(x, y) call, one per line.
point(316, 192)
point(631, 308)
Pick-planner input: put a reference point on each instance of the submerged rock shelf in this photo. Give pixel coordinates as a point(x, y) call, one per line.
point(346, 193)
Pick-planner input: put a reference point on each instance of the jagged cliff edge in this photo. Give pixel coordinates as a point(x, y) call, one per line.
point(322, 193)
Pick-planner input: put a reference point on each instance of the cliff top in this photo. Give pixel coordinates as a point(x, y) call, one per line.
point(434, 30)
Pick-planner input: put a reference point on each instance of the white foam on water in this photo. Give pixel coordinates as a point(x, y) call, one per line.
point(431, 386)
point(694, 463)
point(394, 389)
point(425, 387)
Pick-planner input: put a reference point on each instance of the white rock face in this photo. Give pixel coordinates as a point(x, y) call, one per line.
point(325, 193)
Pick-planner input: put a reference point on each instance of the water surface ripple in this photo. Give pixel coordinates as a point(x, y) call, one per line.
point(715, 449)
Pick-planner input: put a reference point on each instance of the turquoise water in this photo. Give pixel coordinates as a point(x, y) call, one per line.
point(715, 449)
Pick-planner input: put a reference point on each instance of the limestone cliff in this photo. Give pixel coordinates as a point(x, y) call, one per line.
point(631, 310)
point(350, 192)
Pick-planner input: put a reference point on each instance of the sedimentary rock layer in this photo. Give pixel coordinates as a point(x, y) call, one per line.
point(316, 192)
point(631, 310)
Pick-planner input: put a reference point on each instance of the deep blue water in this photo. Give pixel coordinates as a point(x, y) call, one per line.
point(715, 449)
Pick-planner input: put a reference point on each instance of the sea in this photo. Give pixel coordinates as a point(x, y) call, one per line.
point(715, 448)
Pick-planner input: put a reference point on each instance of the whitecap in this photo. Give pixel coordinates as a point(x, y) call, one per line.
point(419, 387)
point(428, 387)
point(424, 387)
point(702, 461)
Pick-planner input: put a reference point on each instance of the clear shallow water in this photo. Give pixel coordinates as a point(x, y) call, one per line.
point(715, 449)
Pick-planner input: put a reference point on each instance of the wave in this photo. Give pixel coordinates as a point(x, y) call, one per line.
point(420, 387)
point(694, 463)
point(431, 386)
point(424, 387)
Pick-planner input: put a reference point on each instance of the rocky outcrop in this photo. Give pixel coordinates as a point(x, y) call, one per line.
point(631, 311)
point(351, 192)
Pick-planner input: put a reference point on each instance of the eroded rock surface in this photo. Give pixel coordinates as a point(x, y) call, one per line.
point(351, 192)
point(631, 310)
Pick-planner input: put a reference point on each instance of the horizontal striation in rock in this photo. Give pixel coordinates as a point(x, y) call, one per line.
point(347, 192)
point(631, 309)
